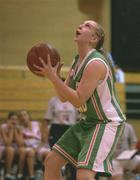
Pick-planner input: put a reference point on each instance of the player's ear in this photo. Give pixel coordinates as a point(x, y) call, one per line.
point(94, 38)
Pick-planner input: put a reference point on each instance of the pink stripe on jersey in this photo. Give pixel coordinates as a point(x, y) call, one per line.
point(59, 149)
point(96, 107)
point(109, 166)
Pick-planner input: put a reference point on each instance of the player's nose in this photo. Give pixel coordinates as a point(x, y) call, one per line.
point(80, 26)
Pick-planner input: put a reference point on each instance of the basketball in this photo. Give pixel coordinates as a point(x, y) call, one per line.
point(41, 50)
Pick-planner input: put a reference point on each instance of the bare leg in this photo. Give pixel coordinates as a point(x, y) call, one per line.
point(22, 155)
point(53, 165)
point(137, 169)
point(9, 158)
point(117, 177)
point(85, 174)
point(31, 161)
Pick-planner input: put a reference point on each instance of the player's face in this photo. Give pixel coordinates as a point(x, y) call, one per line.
point(86, 32)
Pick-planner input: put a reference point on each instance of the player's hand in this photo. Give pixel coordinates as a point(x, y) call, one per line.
point(59, 69)
point(47, 70)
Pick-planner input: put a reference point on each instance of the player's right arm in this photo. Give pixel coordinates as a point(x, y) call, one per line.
point(93, 74)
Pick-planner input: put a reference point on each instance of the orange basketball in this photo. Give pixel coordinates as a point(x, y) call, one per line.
point(41, 50)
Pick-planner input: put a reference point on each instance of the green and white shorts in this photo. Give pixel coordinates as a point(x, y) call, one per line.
point(90, 146)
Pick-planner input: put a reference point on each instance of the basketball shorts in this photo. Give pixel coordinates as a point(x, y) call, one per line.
point(90, 146)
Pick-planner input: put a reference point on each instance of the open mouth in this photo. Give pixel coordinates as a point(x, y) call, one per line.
point(77, 33)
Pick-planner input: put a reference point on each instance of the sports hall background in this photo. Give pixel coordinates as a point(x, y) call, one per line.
point(24, 23)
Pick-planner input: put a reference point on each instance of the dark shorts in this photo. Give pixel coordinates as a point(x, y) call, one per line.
point(56, 131)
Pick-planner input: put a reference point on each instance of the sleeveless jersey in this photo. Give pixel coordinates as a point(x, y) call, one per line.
point(103, 105)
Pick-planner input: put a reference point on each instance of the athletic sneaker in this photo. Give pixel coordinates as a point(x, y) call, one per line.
point(9, 177)
point(39, 175)
point(32, 178)
point(20, 177)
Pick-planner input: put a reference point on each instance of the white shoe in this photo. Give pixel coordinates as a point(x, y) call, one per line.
point(9, 177)
point(19, 176)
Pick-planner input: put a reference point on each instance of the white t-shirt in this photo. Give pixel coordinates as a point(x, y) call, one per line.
point(61, 112)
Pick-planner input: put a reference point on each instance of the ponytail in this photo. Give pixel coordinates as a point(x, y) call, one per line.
point(101, 50)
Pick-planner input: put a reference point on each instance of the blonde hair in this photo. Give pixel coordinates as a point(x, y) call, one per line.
point(99, 31)
point(101, 34)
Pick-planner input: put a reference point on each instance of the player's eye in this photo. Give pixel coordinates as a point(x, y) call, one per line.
point(87, 25)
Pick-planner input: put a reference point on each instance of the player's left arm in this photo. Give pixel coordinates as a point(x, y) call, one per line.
point(93, 73)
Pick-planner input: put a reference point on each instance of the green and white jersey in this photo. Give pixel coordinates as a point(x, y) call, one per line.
point(103, 105)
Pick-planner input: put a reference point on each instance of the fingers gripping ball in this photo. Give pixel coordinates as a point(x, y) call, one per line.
point(41, 50)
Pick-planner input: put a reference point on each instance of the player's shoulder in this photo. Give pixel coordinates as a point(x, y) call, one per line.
point(95, 57)
point(97, 54)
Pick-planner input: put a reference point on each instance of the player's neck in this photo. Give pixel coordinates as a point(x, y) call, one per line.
point(83, 52)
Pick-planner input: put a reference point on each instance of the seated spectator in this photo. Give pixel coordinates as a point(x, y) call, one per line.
point(12, 138)
point(2, 146)
point(119, 73)
point(127, 142)
point(32, 139)
point(42, 152)
point(137, 169)
point(44, 147)
point(2, 150)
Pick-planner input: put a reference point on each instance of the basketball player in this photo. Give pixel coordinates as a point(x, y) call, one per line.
point(90, 143)
point(59, 117)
